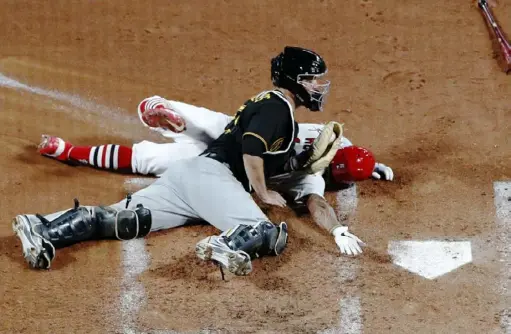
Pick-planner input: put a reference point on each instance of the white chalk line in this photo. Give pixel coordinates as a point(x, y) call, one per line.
point(135, 258)
point(502, 201)
point(92, 108)
point(350, 305)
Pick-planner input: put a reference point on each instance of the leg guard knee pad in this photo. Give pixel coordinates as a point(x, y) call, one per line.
point(131, 224)
point(259, 240)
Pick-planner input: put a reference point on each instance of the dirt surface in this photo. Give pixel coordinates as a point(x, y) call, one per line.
point(414, 81)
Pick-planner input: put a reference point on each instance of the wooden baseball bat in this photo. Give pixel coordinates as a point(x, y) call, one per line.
point(505, 47)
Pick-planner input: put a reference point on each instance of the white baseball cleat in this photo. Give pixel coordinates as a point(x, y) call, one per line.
point(38, 252)
point(215, 249)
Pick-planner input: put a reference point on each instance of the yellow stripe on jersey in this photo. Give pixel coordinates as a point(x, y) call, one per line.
point(258, 137)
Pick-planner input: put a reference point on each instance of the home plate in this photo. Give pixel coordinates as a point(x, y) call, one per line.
point(430, 259)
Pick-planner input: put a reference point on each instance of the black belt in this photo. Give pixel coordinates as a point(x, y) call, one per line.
point(215, 156)
point(211, 155)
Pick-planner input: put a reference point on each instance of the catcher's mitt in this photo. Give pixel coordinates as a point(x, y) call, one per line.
point(164, 118)
point(324, 148)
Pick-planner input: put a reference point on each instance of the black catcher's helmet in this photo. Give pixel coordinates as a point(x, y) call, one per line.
point(298, 70)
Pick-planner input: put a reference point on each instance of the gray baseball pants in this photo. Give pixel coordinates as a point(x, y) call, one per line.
point(203, 189)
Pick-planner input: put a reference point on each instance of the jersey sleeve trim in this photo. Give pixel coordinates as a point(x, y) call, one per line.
point(280, 95)
point(258, 137)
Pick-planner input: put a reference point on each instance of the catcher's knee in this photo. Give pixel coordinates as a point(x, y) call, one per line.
point(259, 240)
point(131, 224)
point(127, 224)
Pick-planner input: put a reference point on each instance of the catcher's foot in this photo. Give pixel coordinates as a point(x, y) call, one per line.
point(54, 147)
point(215, 249)
point(165, 118)
point(38, 252)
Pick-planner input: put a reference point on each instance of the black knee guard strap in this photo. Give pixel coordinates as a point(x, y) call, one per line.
point(262, 239)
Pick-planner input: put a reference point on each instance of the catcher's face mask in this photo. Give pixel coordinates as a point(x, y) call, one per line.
point(317, 87)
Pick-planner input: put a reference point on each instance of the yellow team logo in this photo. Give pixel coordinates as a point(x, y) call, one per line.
point(260, 97)
point(276, 145)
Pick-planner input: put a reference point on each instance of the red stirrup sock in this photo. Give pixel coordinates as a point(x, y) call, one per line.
point(115, 157)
